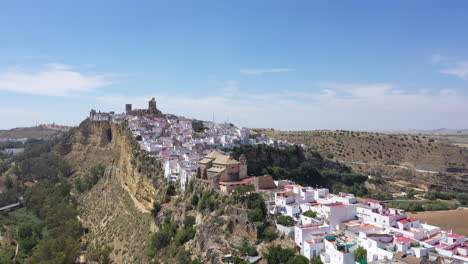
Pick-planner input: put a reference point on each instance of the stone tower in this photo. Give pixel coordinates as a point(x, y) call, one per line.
point(128, 109)
point(92, 113)
point(242, 167)
point(152, 106)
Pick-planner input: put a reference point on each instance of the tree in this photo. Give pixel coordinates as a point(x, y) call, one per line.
point(360, 253)
point(285, 220)
point(279, 255)
point(160, 240)
point(299, 259)
point(310, 213)
point(269, 233)
point(256, 215)
point(316, 261)
point(184, 235)
point(410, 194)
point(8, 182)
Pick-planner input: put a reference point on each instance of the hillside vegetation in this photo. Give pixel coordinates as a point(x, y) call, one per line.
point(94, 194)
point(408, 160)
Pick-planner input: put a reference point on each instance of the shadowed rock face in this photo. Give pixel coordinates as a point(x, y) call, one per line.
point(101, 142)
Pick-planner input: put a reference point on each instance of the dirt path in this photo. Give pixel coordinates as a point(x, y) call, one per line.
point(385, 165)
point(16, 251)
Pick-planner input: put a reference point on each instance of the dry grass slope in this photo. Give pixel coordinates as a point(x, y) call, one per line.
point(406, 159)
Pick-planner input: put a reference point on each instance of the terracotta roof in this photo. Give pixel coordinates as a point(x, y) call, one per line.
point(454, 235)
point(405, 239)
point(363, 226)
point(248, 179)
point(334, 204)
point(408, 220)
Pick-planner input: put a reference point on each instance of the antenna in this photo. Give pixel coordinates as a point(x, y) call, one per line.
point(213, 118)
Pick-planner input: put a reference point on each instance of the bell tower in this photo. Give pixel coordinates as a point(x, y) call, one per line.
point(242, 167)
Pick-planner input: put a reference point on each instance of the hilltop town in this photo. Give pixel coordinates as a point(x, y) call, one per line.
point(185, 145)
point(336, 228)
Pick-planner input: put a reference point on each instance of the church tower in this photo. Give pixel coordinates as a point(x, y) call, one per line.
point(242, 167)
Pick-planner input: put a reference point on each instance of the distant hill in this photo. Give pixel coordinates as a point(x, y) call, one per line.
point(396, 157)
point(433, 132)
point(457, 137)
point(31, 132)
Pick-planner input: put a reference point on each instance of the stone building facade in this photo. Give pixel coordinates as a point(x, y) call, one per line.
point(224, 172)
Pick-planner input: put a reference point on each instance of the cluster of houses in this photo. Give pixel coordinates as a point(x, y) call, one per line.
point(332, 227)
point(327, 226)
point(187, 153)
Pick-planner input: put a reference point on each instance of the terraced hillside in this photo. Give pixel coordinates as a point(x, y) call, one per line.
point(413, 160)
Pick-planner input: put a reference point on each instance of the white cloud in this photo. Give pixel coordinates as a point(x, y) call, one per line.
point(360, 90)
point(55, 79)
point(383, 107)
point(451, 66)
point(262, 71)
point(460, 69)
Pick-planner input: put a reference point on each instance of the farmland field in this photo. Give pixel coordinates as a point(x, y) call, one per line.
point(446, 220)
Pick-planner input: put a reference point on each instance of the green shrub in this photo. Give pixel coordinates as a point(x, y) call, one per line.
point(279, 255)
point(360, 253)
point(184, 235)
point(246, 250)
point(256, 215)
point(160, 240)
point(156, 209)
point(316, 261)
point(285, 220)
point(189, 221)
point(310, 213)
point(298, 259)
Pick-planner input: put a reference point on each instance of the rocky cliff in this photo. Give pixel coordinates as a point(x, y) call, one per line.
point(116, 211)
point(111, 145)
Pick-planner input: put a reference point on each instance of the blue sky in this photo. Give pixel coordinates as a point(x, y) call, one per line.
point(284, 64)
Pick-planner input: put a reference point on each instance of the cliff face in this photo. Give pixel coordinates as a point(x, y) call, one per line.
point(116, 210)
point(109, 144)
